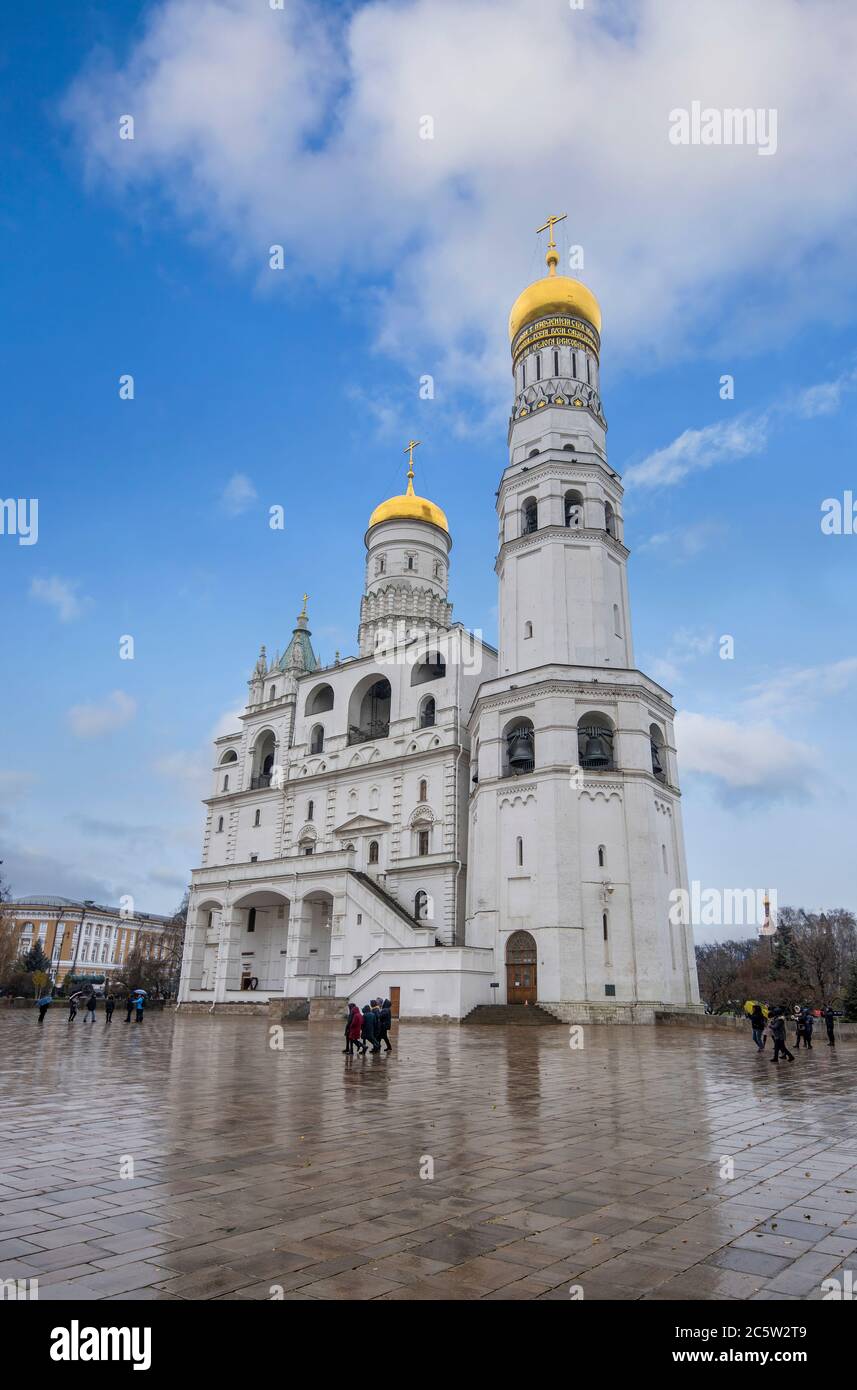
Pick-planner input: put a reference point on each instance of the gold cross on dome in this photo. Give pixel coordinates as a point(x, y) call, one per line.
point(409, 450)
point(302, 613)
point(549, 226)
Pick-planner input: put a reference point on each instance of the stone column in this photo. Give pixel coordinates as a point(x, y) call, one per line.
point(227, 974)
point(193, 950)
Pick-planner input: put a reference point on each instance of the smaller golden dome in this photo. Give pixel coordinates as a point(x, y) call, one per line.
point(409, 507)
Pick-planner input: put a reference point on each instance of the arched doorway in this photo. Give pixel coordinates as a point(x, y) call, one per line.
point(521, 969)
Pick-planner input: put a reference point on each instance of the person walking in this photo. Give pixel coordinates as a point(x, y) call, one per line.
point(777, 1030)
point(43, 1005)
point(138, 1007)
point(829, 1021)
point(129, 1005)
point(90, 1007)
point(799, 1033)
point(757, 1023)
point(72, 1008)
point(353, 1028)
point(808, 1022)
point(367, 1031)
point(109, 1006)
point(385, 1021)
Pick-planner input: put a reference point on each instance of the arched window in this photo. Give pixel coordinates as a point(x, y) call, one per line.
point(519, 852)
point(316, 739)
point(423, 790)
point(219, 824)
point(520, 748)
point(263, 760)
point(573, 507)
point(604, 924)
point(528, 630)
point(595, 742)
point(272, 693)
point(410, 562)
point(556, 364)
point(230, 756)
point(369, 711)
point(431, 668)
point(373, 851)
point(664, 858)
point(529, 516)
point(310, 810)
point(251, 919)
point(602, 856)
point(574, 364)
point(226, 783)
point(428, 712)
point(609, 520)
point(656, 744)
point(257, 819)
point(538, 366)
point(420, 906)
point(319, 700)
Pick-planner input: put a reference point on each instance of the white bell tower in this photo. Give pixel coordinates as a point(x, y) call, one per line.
point(575, 821)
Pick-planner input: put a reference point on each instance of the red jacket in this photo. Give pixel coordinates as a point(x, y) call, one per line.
point(355, 1024)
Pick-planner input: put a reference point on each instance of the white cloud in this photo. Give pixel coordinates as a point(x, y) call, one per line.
point(302, 128)
point(795, 691)
point(685, 542)
point(238, 495)
point(696, 450)
point(94, 720)
point(14, 785)
point(746, 761)
point(62, 595)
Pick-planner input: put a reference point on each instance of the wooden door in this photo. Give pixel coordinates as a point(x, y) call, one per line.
point(521, 971)
point(521, 984)
point(395, 990)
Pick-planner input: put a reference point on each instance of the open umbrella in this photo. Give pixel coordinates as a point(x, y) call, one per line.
point(45, 999)
point(750, 1004)
point(139, 991)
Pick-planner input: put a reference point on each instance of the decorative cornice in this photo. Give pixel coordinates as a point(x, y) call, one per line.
point(554, 533)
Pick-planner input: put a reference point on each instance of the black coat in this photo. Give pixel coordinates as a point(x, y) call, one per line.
point(370, 1025)
point(386, 1017)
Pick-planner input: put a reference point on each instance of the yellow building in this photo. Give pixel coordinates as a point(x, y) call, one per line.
point(84, 938)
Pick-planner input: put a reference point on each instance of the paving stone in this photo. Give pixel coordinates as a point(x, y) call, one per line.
point(254, 1170)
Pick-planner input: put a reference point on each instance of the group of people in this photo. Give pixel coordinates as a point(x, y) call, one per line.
point(135, 1003)
point(368, 1028)
point(775, 1026)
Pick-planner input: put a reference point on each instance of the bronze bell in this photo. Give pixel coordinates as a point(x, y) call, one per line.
point(520, 748)
point(595, 753)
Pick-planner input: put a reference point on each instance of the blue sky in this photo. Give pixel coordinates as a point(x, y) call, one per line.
point(403, 256)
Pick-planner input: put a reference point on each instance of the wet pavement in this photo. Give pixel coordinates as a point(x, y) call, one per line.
point(470, 1163)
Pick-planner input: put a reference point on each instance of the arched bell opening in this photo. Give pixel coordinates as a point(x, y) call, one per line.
point(519, 752)
point(595, 737)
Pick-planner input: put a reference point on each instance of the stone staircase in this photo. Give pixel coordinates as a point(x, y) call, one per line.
point(527, 1015)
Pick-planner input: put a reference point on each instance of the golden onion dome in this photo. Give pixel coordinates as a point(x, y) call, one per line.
point(410, 507)
point(554, 294)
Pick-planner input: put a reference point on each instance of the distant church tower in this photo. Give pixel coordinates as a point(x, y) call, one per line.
point(575, 819)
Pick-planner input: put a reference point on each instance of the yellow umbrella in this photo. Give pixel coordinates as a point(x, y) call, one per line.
point(750, 1004)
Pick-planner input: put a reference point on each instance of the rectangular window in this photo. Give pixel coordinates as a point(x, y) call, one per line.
point(556, 364)
point(423, 842)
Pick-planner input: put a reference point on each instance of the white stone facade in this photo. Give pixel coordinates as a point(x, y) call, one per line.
point(382, 827)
